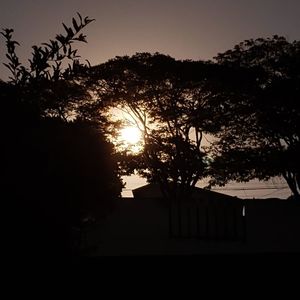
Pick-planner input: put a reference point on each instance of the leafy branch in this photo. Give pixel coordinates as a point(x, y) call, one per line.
point(47, 57)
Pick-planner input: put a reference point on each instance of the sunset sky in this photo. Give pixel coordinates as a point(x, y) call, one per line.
point(184, 29)
point(193, 29)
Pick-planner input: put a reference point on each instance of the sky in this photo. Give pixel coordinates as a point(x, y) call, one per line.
point(183, 29)
point(274, 188)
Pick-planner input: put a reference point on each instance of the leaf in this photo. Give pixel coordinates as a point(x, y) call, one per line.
point(9, 67)
point(8, 57)
point(15, 43)
point(47, 45)
point(35, 48)
point(61, 38)
point(43, 52)
point(70, 32)
point(7, 31)
point(64, 49)
point(81, 38)
point(89, 64)
point(75, 25)
point(66, 28)
point(80, 17)
point(58, 64)
point(69, 52)
point(87, 20)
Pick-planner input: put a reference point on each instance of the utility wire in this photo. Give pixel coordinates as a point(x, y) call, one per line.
point(250, 189)
point(241, 189)
point(270, 193)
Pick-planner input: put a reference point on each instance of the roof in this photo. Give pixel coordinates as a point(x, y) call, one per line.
point(153, 191)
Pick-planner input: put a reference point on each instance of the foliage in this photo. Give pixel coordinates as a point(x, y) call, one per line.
point(48, 87)
point(47, 57)
point(57, 175)
point(261, 133)
point(59, 170)
point(168, 100)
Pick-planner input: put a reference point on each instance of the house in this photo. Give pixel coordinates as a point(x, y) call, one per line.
point(206, 215)
point(210, 223)
point(146, 224)
point(147, 216)
point(153, 191)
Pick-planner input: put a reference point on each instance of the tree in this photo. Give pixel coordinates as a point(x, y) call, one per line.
point(47, 87)
point(261, 133)
point(59, 167)
point(164, 98)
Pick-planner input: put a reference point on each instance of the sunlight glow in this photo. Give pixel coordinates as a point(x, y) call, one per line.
point(131, 135)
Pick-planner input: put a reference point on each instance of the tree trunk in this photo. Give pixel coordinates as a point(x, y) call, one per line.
point(291, 180)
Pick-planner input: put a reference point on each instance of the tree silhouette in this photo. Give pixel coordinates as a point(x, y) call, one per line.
point(261, 134)
point(169, 101)
point(59, 168)
point(47, 86)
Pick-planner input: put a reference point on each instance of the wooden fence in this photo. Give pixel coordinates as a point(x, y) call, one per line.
point(208, 220)
point(260, 226)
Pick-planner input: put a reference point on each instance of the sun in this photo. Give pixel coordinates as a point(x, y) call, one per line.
point(130, 135)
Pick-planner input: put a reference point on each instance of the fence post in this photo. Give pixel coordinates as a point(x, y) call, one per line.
point(179, 219)
point(198, 222)
point(171, 235)
point(244, 224)
point(189, 222)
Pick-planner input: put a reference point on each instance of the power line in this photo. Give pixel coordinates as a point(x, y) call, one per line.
point(239, 189)
point(270, 193)
point(250, 189)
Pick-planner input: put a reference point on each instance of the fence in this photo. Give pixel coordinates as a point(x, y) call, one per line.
point(208, 220)
point(248, 225)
